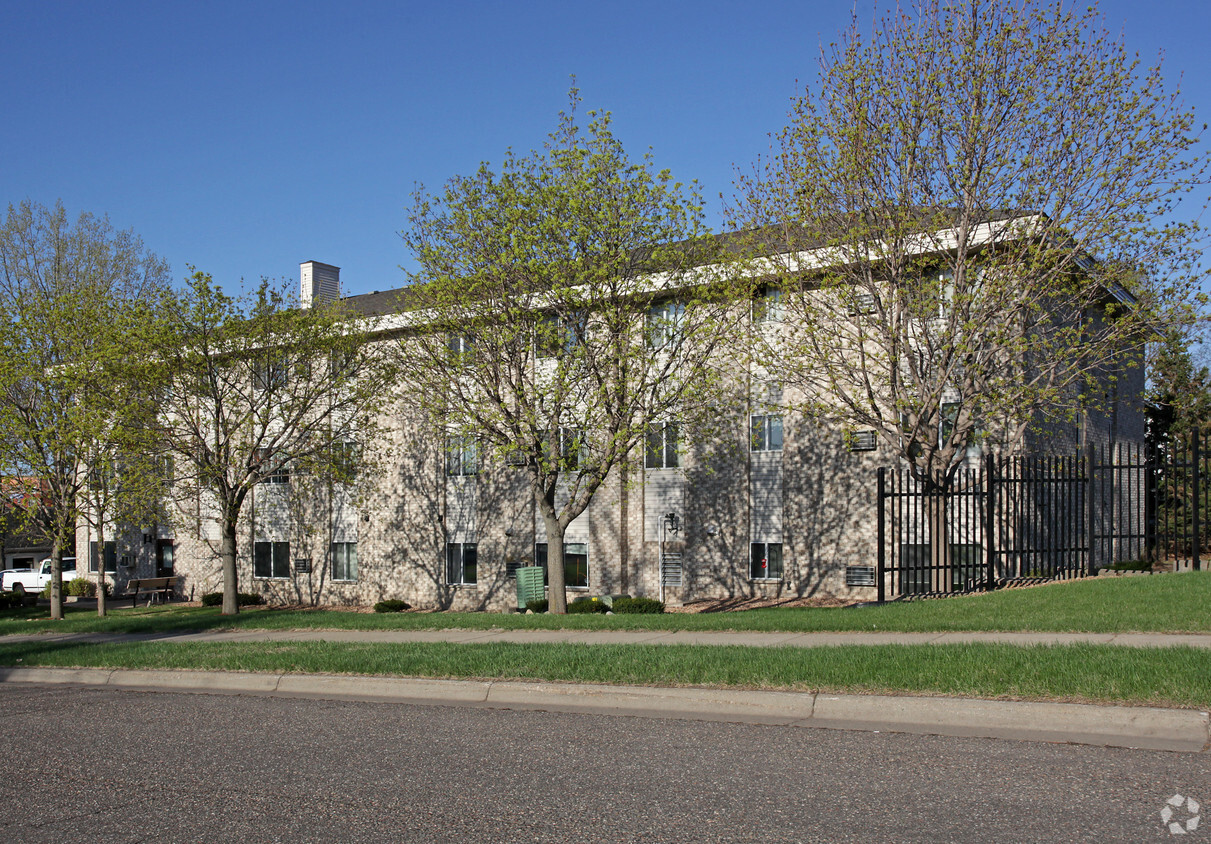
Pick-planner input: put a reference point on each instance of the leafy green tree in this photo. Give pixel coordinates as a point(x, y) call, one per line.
point(71, 296)
point(978, 212)
point(564, 307)
point(255, 389)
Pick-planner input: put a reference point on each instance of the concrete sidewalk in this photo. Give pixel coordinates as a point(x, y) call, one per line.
point(1116, 726)
point(637, 637)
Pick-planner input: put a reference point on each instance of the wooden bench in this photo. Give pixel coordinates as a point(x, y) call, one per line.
point(162, 587)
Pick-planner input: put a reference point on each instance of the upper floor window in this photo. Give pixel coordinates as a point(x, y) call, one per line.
point(556, 334)
point(271, 374)
point(767, 305)
point(460, 344)
point(273, 469)
point(665, 323)
point(462, 455)
point(569, 445)
point(660, 451)
point(766, 432)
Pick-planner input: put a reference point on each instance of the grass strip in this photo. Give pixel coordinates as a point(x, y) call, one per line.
point(1177, 676)
point(1148, 604)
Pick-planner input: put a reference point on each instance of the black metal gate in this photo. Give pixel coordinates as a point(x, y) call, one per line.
point(1018, 519)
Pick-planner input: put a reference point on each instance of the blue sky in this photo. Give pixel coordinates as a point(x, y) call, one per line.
point(245, 137)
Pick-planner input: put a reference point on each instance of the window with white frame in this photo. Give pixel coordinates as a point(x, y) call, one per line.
point(344, 561)
point(575, 563)
point(665, 323)
point(94, 556)
point(273, 470)
point(271, 559)
point(767, 305)
point(569, 444)
point(765, 561)
point(556, 335)
point(765, 432)
point(661, 446)
point(271, 374)
point(345, 458)
point(462, 456)
point(462, 560)
point(459, 344)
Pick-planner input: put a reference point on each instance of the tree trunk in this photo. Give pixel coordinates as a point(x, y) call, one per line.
point(940, 557)
point(231, 603)
point(557, 595)
point(56, 580)
point(100, 569)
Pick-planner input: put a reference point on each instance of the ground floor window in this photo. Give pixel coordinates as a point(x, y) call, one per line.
point(765, 561)
point(271, 559)
point(111, 556)
point(462, 559)
point(344, 561)
point(575, 562)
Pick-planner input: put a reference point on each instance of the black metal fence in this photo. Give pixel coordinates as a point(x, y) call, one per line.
point(1008, 520)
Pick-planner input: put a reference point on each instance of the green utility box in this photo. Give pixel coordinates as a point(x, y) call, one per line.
point(529, 585)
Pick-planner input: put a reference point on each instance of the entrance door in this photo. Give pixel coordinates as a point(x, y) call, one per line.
point(163, 558)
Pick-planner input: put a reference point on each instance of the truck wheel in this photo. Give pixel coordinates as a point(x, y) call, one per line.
point(19, 590)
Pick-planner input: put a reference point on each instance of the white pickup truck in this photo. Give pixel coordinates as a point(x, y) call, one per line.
point(34, 580)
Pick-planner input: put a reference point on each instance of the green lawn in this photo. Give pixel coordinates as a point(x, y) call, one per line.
point(1176, 676)
point(1159, 603)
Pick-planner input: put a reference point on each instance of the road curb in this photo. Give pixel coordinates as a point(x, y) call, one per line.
point(1150, 728)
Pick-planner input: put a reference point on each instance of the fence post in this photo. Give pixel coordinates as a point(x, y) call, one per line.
point(1090, 500)
point(880, 556)
point(1195, 482)
point(990, 510)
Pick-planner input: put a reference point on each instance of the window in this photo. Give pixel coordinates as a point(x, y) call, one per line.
point(111, 556)
point(767, 305)
point(861, 440)
point(765, 561)
point(270, 474)
point(950, 416)
point(462, 456)
point(569, 442)
point(557, 335)
point(345, 456)
point(575, 562)
point(344, 561)
point(271, 559)
point(665, 323)
point(461, 560)
point(661, 446)
point(459, 344)
point(766, 432)
point(270, 374)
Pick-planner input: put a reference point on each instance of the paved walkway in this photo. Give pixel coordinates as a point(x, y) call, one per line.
point(1117, 726)
point(637, 637)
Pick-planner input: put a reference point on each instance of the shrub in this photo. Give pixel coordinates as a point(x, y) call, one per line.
point(638, 605)
point(392, 605)
point(244, 599)
point(1131, 565)
point(537, 605)
point(588, 605)
point(81, 588)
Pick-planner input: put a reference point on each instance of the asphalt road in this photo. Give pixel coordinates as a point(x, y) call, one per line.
point(155, 766)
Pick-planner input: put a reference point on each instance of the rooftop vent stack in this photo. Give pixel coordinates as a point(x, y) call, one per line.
point(318, 282)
